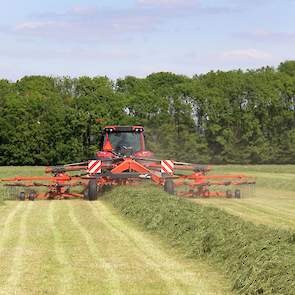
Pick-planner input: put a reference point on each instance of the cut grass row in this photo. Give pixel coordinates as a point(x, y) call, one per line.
point(258, 259)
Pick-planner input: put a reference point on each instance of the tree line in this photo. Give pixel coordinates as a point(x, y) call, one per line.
point(218, 117)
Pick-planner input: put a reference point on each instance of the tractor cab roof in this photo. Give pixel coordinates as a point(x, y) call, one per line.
point(116, 128)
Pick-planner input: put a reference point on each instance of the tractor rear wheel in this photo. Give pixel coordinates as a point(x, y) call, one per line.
point(92, 190)
point(169, 186)
point(22, 196)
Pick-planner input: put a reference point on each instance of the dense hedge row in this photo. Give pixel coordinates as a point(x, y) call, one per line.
point(257, 259)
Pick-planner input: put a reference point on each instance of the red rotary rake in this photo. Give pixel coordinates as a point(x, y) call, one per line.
point(123, 160)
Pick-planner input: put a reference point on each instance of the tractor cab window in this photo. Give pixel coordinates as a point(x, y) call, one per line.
point(121, 141)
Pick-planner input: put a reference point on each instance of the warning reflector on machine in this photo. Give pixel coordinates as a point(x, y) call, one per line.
point(167, 167)
point(94, 167)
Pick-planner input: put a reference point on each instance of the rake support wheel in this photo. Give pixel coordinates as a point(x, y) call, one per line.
point(92, 190)
point(22, 196)
point(229, 194)
point(32, 196)
point(237, 194)
point(169, 186)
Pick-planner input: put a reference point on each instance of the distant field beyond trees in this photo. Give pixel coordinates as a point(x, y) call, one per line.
point(221, 117)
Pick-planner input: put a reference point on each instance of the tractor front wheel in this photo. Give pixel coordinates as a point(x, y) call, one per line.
point(169, 186)
point(92, 190)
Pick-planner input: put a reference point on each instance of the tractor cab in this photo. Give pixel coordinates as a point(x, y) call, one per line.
point(120, 141)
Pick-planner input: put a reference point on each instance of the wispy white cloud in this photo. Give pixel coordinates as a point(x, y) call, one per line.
point(168, 3)
point(85, 25)
point(84, 10)
point(246, 54)
point(32, 26)
point(186, 7)
point(93, 23)
point(262, 35)
point(159, 2)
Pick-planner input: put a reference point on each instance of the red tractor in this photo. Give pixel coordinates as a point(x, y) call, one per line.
point(123, 160)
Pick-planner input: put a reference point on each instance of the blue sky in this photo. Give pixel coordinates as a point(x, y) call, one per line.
point(138, 37)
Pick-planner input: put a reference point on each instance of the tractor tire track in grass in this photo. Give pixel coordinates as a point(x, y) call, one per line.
point(7, 241)
point(113, 283)
point(44, 273)
point(126, 260)
point(65, 272)
point(6, 213)
point(17, 267)
point(8, 220)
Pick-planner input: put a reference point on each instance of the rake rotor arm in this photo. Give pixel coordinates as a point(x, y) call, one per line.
point(229, 176)
point(40, 178)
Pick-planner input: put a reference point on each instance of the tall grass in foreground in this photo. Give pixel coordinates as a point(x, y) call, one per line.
point(257, 259)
